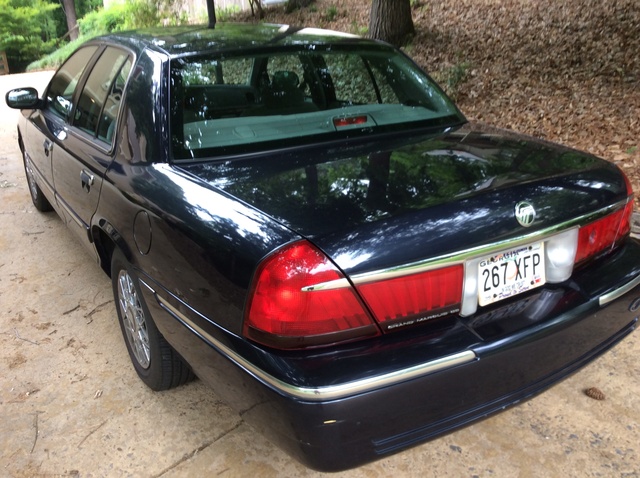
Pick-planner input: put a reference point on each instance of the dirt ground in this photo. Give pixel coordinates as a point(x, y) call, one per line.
point(71, 404)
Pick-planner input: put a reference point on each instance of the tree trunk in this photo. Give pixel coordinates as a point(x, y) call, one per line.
point(72, 20)
point(391, 21)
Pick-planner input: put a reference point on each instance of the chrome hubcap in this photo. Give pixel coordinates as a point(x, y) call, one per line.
point(133, 318)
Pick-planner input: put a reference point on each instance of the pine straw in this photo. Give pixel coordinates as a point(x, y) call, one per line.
point(567, 71)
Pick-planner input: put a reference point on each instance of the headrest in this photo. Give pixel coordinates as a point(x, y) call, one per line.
point(286, 80)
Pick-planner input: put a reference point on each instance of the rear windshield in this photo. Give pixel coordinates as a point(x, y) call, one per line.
point(238, 104)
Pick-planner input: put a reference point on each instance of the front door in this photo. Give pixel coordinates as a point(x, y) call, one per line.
point(50, 123)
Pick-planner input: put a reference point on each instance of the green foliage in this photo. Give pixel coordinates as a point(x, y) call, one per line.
point(127, 16)
point(332, 13)
point(26, 30)
point(360, 30)
point(455, 76)
point(225, 14)
point(103, 21)
point(55, 59)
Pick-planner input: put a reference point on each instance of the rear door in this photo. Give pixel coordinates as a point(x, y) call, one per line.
point(85, 150)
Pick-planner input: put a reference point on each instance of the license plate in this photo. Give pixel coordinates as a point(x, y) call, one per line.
point(511, 272)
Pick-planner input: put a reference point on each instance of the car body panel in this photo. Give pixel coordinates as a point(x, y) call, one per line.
point(196, 232)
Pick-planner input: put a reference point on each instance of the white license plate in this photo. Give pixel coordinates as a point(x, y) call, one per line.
point(511, 272)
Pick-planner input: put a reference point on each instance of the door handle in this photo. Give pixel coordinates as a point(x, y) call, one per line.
point(87, 180)
point(48, 146)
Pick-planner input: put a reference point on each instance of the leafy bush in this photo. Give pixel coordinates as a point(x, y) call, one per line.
point(123, 16)
point(103, 21)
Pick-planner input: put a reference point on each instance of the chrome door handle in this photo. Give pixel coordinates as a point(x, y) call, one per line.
point(48, 146)
point(87, 180)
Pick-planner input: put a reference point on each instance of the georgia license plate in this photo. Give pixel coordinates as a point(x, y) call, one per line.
point(509, 273)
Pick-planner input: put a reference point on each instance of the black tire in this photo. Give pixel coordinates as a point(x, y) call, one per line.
point(155, 361)
point(41, 203)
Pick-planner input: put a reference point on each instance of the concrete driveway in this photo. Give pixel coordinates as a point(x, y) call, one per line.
point(71, 404)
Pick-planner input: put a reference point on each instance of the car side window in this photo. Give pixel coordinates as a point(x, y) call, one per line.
point(230, 71)
point(59, 96)
point(356, 82)
point(100, 98)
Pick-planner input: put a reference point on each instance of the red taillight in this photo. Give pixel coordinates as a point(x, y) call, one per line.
point(414, 298)
point(604, 233)
point(286, 311)
point(349, 121)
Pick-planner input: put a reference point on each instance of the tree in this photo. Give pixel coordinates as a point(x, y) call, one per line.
point(256, 7)
point(391, 21)
point(26, 30)
point(69, 8)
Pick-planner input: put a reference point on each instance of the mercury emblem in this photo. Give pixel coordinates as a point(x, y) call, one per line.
point(525, 213)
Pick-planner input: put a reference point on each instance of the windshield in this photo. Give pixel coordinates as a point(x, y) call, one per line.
point(227, 104)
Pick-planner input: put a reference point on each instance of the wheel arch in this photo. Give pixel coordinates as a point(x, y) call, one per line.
point(106, 240)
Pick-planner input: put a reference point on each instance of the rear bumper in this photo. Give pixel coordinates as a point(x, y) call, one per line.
point(339, 434)
point(331, 412)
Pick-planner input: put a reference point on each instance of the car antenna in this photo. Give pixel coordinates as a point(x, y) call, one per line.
point(211, 10)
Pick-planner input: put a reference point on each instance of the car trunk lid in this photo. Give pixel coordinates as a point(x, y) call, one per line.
point(373, 207)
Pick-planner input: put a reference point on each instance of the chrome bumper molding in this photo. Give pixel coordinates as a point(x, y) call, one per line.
point(318, 394)
point(613, 295)
point(344, 390)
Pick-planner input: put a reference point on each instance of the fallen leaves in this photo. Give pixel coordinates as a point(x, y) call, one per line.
point(595, 393)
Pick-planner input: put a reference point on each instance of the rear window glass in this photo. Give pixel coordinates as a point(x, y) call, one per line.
point(222, 105)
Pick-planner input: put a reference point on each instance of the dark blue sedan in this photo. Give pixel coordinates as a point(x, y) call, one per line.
point(306, 222)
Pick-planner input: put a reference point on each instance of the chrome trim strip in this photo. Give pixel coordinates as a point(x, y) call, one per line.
point(330, 285)
point(463, 256)
point(70, 212)
point(613, 295)
point(330, 392)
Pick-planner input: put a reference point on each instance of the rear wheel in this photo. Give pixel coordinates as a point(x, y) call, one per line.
point(39, 200)
point(155, 361)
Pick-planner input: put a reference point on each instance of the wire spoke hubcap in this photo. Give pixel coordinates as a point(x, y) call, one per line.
point(133, 318)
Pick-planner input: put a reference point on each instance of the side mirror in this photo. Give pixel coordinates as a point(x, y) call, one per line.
point(23, 99)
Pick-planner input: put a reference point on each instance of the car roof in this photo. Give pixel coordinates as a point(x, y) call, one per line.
point(186, 40)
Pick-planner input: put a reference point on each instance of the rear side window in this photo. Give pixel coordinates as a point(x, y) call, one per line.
point(63, 84)
point(101, 96)
point(352, 80)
